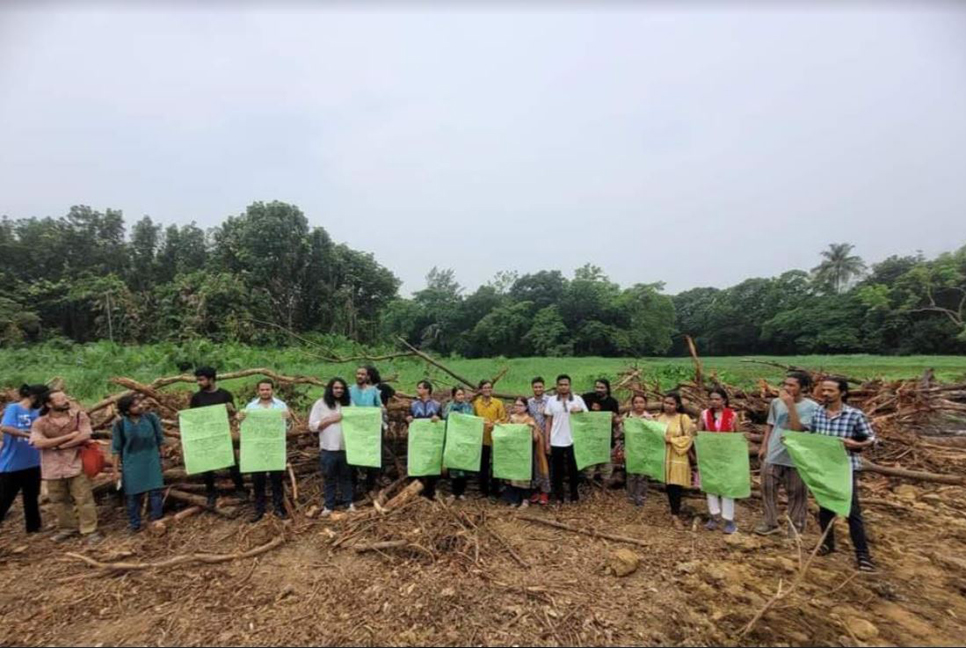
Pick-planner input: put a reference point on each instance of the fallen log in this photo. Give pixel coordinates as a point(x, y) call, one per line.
point(588, 532)
point(160, 527)
point(207, 559)
point(915, 475)
point(198, 500)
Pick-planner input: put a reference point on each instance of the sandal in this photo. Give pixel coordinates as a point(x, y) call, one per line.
point(866, 565)
point(824, 551)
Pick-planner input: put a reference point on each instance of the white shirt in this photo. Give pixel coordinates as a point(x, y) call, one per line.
point(331, 437)
point(560, 434)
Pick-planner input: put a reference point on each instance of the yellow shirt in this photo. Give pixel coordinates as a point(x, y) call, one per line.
point(680, 437)
point(492, 412)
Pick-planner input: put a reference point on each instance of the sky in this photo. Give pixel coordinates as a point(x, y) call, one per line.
point(696, 145)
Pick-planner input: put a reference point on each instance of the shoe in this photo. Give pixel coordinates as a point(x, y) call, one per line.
point(730, 527)
point(93, 538)
point(535, 498)
point(712, 525)
point(574, 499)
point(765, 530)
point(258, 516)
point(351, 509)
point(544, 499)
point(326, 512)
point(638, 502)
point(866, 565)
point(62, 536)
point(212, 500)
point(462, 498)
point(241, 494)
point(281, 514)
point(525, 504)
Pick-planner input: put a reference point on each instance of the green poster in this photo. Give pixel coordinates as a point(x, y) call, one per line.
point(362, 431)
point(464, 442)
point(824, 466)
point(262, 440)
point(205, 439)
point(425, 448)
point(645, 449)
point(513, 452)
point(723, 464)
point(592, 436)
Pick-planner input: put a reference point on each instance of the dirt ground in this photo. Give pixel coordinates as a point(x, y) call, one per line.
point(457, 580)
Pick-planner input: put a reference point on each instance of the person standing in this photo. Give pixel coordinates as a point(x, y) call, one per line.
point(837, 419)
point(537, 407)
point(425, 407)
point(58, 433)
point(719, 418)
point(136, 441)
point(386, 392)
point(492, 411)
point(790, 411)
point(365, 394)
point(326, 419)
point(209, 393)
point(600, 400)
point(679, 439)
point(266, 400)
point(459, 405)
point(637, 484)
point(561, 439)
point(20, 461)
point(518, 490)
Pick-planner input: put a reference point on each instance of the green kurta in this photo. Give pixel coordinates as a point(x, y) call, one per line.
point(139, 445)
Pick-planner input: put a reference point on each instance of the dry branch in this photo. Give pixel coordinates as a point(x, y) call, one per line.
point(588, 532)
point(208, 559)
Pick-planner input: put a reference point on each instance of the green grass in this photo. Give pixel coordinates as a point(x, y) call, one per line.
point(87, 369)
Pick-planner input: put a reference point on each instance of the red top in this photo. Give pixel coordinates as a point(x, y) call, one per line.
point(727, 423)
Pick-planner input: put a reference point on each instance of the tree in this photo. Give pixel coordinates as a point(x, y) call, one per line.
point(548, 334)
point(839, 267)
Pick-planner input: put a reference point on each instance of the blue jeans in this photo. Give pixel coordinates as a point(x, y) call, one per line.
point(134, 502)
point(336, 474)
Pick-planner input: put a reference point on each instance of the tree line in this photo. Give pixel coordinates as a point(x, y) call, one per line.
point(265, 274)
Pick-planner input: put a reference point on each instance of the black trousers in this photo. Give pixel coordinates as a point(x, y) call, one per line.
point(235, 477)
point(429, 486)
point(488, 485)
point(856, 524)
point(278, 490)
point(674, 493)
point(459, 486)
point(27, 483)
point(562, 459)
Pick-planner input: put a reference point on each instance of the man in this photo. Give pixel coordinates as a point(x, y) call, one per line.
point(791, 411)
point(364, 394)
point(560, 438)
point(537, 406)
point(852, 426)
point(492, 411)
point(210, 394)
point(266, 400)
point(600, 400)
point(59, 433)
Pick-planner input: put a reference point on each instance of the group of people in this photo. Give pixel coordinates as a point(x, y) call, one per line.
point(43, 434)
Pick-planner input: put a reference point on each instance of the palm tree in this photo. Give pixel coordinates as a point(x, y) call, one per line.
point(838, 267)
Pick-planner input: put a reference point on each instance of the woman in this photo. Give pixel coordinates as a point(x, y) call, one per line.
point(20, 461)
point(492, 411)
point(719, 418)
point(326, 419)
point(517, 491)
point(679, 438)
point(637, 484)
point(459, 405)
point(136, 441)
point(424, 407)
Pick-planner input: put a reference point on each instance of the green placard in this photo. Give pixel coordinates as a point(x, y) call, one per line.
point(262, 440)
point(592, 437)
point(464, 442)
point(512, 451)
point(824, 466)
point(425, 448)
point(723, 464)
point(362, 431)
point(205, 439)
point(645, 450)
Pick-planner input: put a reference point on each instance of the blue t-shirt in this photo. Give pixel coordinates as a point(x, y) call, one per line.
point(368, 397)
point(17, 453)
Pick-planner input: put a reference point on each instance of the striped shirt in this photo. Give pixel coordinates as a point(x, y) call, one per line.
point(847, 423)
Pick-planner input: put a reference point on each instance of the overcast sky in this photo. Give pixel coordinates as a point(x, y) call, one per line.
point(698, 147)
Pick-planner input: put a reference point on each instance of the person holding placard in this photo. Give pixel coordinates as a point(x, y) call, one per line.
point(518, 490)
point(492, 411)
point(561, 440)
point(537, 408)
point(210, 394)
point(136, 441)
point(850, 424)
point(719, 418)
point(637, 484)
point(266, 400)
point(326, 419)
point(365, 393)
point(600, 400)
point(425, 407)
point(679, 438)
point(459, 405)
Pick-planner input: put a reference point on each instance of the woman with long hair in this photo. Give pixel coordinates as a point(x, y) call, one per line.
point(719, 418)
point(679, 437)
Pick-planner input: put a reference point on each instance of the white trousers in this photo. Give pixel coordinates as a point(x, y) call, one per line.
point(723, 506)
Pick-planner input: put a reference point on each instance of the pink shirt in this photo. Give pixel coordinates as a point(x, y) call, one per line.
point(58, 463)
